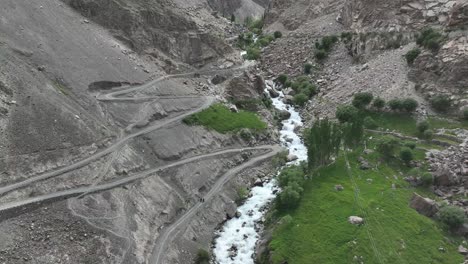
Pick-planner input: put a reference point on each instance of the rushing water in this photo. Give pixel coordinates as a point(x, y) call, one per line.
point(238, 237)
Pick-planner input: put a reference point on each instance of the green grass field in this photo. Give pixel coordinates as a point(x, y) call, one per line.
point(393, 232)
point(221, 119)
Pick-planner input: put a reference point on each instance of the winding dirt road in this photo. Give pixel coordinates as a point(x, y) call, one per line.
point(171, 231)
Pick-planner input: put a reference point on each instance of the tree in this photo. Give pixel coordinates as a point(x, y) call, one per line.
point(412, 55)
point(362, 100)
point(395, 104)
point(387, 146)
point(378, 103)
point(203, 257)
point(323, 141)
point(406, 155)
point(346, 113)
point(307, 68)
point(277, 34)
point(290, 196)
point(441, 103)
point(233, 18)
point(452, 216)
point(422, 126)
point(353, 133)
point(409, 105)
point(290, 175)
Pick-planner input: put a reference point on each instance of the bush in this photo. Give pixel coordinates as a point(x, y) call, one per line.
point(406, 155)
point(395, 104)
point(412, 55)
point(346, 113)
point(410, 144)
point(452, 216)
point(277, 34)
point(282, 78)
point(428, 134)
point(378, 103)
point(252, 53)
point(203, 257)
point(441, 103)
point(307, 68)
point(427, 179)
point(422, 126)
point(409, 105)
point(300, 99)
point(362, 100)
point(387, 146)
point(430, 39)
point(320, 55)
point(370, 123)
point(290, 196)
point(465, 114)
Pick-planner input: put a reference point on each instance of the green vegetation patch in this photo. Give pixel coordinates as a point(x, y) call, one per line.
point(318, 230)
point(221, 119)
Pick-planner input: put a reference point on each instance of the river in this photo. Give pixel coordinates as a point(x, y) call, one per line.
point(238, 237)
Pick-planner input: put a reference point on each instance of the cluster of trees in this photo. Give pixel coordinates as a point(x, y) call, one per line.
point(365, 100)
point(291, 180)
point(387, 146)
point(303, 88)
point(246, 40)
point(424, 130)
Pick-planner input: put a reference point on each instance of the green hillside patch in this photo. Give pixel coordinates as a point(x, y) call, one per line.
point(221, 119)
point(393, 232)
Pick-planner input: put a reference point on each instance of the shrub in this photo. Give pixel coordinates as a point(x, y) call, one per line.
point(346, 113)
point(290, 196)
point(282, 78)
point(465, 114)
point(406, 155)
point(428, 134)
point(427, 179)
point(320, 54)
point(395, 104)
point(361, 100)
point(378, 103)
point(203, 257)
point(307, 68)
point(409, 105)
point(410, 144)
point(370, 123)
point(346, 36)
point(430, 39)
point(422, 126)
point(441, 103)
point(300, 99)
point(412, 55)
point(452, 216)
point(277, 34)
point(242, 194)
point(252, 53)
point(387, 146)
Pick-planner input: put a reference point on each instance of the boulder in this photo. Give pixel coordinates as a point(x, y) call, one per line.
point(364, 164)
point(292, 157)
point(445, 177)
point(339, 187)
point(424, 206)
point(355, 220)
point(459, 14)
point(288, 99)
point(273, 93)
point(462, 250)
point(283, 115)
point(233, 108)
point(217, 79)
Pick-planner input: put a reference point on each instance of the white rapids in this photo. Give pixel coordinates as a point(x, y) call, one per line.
point(238, 237)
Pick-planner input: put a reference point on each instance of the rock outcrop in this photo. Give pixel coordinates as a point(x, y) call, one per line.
point(424, 206)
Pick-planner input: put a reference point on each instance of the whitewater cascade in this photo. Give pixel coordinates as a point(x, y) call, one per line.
point(238, 237)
